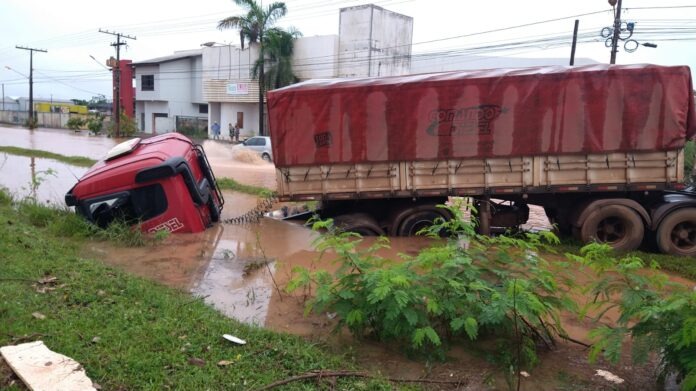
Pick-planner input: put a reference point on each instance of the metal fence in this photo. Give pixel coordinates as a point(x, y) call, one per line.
point(47, 120)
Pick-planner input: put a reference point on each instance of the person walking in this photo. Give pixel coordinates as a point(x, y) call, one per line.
point(230, 129)
point(236, 133)
point(216, 131)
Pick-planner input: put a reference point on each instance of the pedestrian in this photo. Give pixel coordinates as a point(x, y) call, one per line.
point(230, 128)
point(216, 131)
point(236, 133)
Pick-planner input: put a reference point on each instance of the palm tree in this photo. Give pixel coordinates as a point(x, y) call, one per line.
point(279, 45)
point(252, 27)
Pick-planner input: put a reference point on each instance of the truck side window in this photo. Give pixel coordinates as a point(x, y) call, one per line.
point(139, 204)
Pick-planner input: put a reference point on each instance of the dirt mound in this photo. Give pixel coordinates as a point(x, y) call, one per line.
point(247, 156)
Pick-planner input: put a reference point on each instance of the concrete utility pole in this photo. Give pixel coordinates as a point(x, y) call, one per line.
point(31, 81)
point(575, 42)
point(117, 78)
point(617, 31)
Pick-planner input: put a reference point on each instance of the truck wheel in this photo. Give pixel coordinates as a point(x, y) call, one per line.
point(359, 223)
point(677, 233)
point(420, 218)
point(616, 225)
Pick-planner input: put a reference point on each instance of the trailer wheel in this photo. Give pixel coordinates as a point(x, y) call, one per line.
point(360, 223)
point(677, 233)
point(616, 225)
point(420, 218)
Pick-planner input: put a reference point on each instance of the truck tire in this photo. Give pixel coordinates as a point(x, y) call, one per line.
point(616, 225)
point(676, 234)
point(420, 218)
point(360, 223)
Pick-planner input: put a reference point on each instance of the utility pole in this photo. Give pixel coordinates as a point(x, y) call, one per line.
point(117, 78)
point(31, 81)
point(3, 96)
point(617, 31)
point(575, 42)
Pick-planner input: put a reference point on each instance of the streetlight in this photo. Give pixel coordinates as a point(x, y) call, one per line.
point(16, 71)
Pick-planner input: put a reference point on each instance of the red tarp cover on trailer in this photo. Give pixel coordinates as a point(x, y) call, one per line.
point(483, 114)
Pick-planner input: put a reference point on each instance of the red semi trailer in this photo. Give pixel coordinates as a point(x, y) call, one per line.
point(163, 182)
point(599, 147)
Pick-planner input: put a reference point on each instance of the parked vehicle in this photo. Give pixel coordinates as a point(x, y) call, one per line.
point(599, 147)
point(260, 145)
point(163, 183)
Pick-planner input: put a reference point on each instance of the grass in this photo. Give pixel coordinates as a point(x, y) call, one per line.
point(682, 266)
point(150, 337)
point(79, 161)
point(231, 184)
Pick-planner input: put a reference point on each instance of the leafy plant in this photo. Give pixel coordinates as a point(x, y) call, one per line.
point(128, 126)
point(96, 124)
point(658, 316)
point(466, 287)
point(75, 123)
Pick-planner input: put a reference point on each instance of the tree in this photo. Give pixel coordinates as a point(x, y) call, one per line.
point(252, 27)
point(279, 45)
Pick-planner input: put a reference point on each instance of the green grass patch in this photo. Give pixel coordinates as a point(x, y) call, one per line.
point(231, 184)
point(79, 161)
point(681, 266)
point(128, 332)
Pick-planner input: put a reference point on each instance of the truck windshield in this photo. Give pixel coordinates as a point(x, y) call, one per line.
point(132, 206)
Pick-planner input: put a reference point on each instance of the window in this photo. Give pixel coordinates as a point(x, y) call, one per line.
point(256, 142)
point(202, 109)
point(147, 82)
point(139, 204)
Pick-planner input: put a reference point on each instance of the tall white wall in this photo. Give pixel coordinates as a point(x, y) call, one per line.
point(373, 42)
point(315, 57)
point(228, 62)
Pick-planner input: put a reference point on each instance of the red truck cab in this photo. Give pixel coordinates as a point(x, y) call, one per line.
point(163, 182)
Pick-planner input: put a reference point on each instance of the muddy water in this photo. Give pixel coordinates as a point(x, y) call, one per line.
point(239, 269)
point(43, 179)
point(64, 142)
point(226, 163)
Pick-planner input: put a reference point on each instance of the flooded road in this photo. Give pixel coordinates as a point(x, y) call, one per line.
point(241, 270)
point(61, 141)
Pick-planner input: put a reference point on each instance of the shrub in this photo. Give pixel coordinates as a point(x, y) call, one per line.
point(466, 286)
point(96, 124)
point(128, 126)
point(659, 316)
point(75, 123)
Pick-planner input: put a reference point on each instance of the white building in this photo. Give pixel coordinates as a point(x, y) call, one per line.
point(371, 42)
point(168, 93)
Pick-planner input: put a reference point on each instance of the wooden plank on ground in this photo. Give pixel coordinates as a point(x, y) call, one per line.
point(42, 369)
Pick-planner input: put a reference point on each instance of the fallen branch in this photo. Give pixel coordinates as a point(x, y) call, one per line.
point(321, 374)
point(570, 339)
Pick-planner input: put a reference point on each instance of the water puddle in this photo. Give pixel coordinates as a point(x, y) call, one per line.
point(45, 180)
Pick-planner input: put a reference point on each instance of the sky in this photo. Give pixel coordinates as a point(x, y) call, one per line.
point(74, 67)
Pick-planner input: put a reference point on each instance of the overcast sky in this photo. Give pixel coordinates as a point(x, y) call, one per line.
point(69, 31)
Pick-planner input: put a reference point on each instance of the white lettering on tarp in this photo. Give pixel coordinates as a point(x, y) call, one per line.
point(237, 88)
point(170, 225)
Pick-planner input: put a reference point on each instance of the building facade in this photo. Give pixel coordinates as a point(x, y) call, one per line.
point(169, 94)
point(373, 41)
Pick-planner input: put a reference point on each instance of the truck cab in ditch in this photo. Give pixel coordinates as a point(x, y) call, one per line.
point(162, 183)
